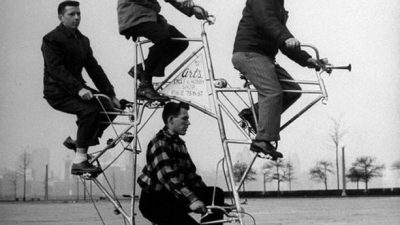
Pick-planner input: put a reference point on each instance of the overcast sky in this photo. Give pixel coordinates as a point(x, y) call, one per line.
point(364, 33)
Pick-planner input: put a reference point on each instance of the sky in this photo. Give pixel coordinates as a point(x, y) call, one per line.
point(363, 33)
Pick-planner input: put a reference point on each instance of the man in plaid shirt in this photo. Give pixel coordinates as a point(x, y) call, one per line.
point(171, 189)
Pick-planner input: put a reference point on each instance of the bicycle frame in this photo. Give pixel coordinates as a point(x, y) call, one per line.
point(222, 104)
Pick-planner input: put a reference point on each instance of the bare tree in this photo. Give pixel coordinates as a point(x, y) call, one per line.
point(267, 173)
point(25, 160)
point(276, 170)
point(12, 177)
point(238, 171)
point(354, 175)
point(336, 133)
point(289, 171)
point(319, 172)
point(368, 168)
point(396, 165)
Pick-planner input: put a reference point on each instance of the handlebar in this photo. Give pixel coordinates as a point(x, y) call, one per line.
point(123, 102)
point(325, 66)
point(210, 20)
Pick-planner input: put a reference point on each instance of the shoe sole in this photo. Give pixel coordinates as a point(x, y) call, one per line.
point(80, 172)
point(274, 154)
point(142, 97)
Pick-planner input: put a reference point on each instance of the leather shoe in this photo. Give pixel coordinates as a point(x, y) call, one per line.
point(266, 148)
point(84, 167)
point(70, 143)
point(149, 93)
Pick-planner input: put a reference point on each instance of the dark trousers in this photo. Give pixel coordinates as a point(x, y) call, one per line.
point(265, 75)
point(88, 115)
point(162, 208)
point(164, 50)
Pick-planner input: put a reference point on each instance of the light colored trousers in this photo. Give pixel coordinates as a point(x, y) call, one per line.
point(264, 74)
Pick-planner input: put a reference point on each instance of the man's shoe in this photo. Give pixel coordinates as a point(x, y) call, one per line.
point(139, 72)
point(247, 115)
point(84, 167)
point(70, 143)
point(149, 93)
point(266, 148)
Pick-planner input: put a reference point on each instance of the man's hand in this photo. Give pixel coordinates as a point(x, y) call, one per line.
point(292, 43)
point(316, 64)
point(186, 3)
point(198, 207)
point(85, 94)
point(200, 13)
point(116, 102)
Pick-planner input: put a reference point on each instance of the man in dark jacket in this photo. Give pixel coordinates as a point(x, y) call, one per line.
point(261, 33)
point(141, 18)
point(66, 51)
point(171, 188)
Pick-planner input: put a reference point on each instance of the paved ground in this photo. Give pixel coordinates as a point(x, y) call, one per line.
point(285, 211)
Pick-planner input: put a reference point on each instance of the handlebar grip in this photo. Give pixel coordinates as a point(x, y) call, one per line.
point(348, 67)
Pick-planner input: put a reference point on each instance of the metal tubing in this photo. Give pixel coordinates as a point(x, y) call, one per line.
point(301, 112)
point(117, 139)
point(239, 185)
point(237, 141)
point(232, 118)
point(135, 132)
point(201, 109)
point(254, 90)
point(109, 196)
point(220, 121)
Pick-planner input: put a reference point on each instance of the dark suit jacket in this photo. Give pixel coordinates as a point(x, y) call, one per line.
point(262, 29)
point(65, 55)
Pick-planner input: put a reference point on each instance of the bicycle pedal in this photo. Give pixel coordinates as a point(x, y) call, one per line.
point(88, 176)
point(243, 124)
point(110, 143)
point(269, 157)
point(131, 150)
point(128, 137)
point(116, 211)
point(128, 149)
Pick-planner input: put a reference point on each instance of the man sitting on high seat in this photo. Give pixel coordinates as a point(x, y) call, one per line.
point(138, 18)
point(261, 33)
point(66, 51)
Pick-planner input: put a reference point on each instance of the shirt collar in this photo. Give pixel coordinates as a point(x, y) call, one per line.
point(171, 137)
point(68, 32)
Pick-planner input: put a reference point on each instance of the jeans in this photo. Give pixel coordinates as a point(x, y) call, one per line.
point(264, 74)
point(88, 115)
point(162, 208)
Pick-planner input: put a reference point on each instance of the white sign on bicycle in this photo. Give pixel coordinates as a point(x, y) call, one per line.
point(190, 84)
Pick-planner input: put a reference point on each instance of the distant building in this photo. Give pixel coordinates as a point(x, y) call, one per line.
point(67, 169)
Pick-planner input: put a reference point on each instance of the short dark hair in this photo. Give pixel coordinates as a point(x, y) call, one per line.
point(173, 109)
point(62, 5)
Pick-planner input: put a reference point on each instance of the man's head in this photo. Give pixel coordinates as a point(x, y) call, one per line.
point(69, 14)
point(176, 117)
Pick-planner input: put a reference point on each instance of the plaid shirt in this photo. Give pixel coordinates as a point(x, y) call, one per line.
point(169, 167)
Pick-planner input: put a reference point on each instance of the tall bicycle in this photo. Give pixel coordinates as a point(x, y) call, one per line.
point(194, 82)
